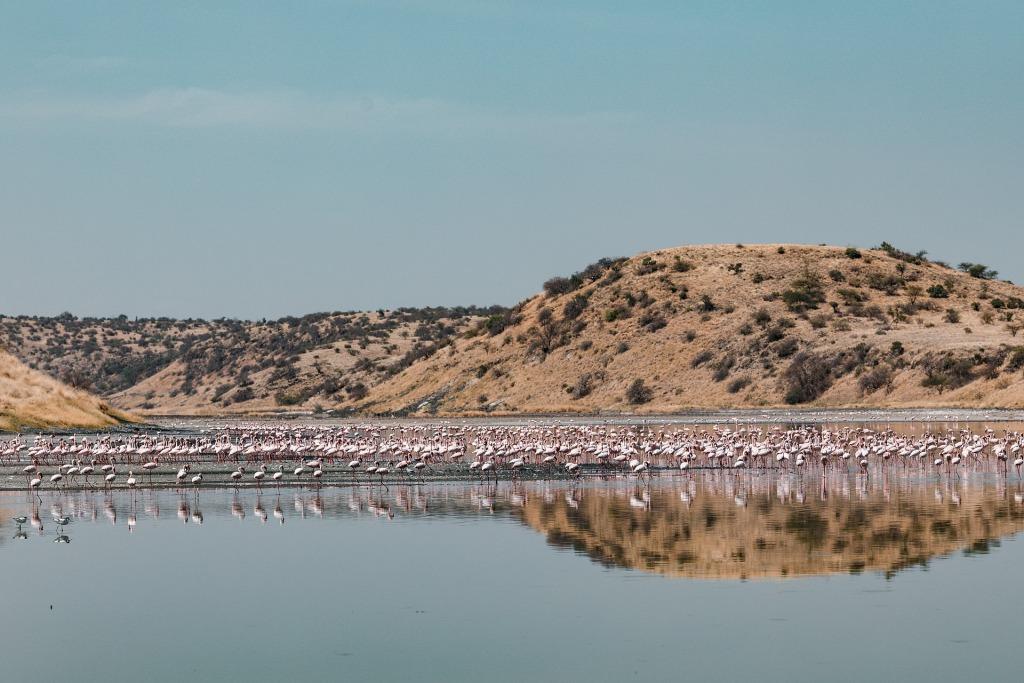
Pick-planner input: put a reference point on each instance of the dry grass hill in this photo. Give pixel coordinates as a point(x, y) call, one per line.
point(190, 367)
point(735, 326)
point(31, 399)
point(690, 327)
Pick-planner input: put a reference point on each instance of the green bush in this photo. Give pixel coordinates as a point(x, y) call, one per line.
point(804, 293)
point(978, 270)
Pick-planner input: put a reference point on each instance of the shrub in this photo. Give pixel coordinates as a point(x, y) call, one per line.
point(804, 293)
point(559, 285)
point(978, 270)
point(648, 266)
point(915, 259)
point(1016, 361)
point(852, 253)
point(498, 323)
point(357, 391)
point(575, 306)
point(706, 304)
point(889, 284)
point(593, 272)
point(287, 399)
point(807, 377)
point(613, 314)
point(583, 387)
point(738, 384)
point(938, 382)
point(758, 278)
point(851, 297)
point(613, 276)
point(837, 275)
point(746, 329)
point(701, 358)
point(722, 368)
point(780, 250)
point(681, 266)
point(652, 322)
point(818, 321)
point(243, 394)
point(938, 292)
point(874, 379)
point(638, 393)
point(762, 317)
point(946, 372)
point(787, 347)
point(952, 315)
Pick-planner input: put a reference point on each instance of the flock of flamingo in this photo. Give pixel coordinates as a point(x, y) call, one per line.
point(257, 455)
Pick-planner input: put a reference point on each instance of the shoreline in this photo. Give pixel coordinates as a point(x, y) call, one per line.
point(773, 416)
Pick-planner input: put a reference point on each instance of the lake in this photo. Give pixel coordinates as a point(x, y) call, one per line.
point(708, 576)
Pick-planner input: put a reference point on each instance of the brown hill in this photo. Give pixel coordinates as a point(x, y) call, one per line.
point(167, 366)
point(691, 327)
point(734, 326)
point(31, 399)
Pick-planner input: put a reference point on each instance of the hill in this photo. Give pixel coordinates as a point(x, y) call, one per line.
point(694, 327)
point(734, 326)
point(190, 367)
point(31, 399)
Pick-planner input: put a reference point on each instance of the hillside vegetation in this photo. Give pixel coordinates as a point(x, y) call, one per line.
point(31, 399)
point(735, 326)
point(691, 327)
point(167, 366)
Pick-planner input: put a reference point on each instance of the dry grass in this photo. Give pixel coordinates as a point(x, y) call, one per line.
point(30, 399)
point(619, 348)
point(684, 320)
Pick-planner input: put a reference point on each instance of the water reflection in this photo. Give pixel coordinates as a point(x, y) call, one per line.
point(709, 525)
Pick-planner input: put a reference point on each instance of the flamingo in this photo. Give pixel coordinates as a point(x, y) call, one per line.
point(35, 484)
point(259, 475)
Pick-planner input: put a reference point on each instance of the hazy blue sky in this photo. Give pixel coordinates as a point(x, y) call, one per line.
point(266, 158)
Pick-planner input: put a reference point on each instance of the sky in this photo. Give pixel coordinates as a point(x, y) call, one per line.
point(262, 159)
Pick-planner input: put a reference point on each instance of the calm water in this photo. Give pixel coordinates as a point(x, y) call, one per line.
point(714, 577)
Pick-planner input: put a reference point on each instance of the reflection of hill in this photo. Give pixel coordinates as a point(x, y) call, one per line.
point(715, 537)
